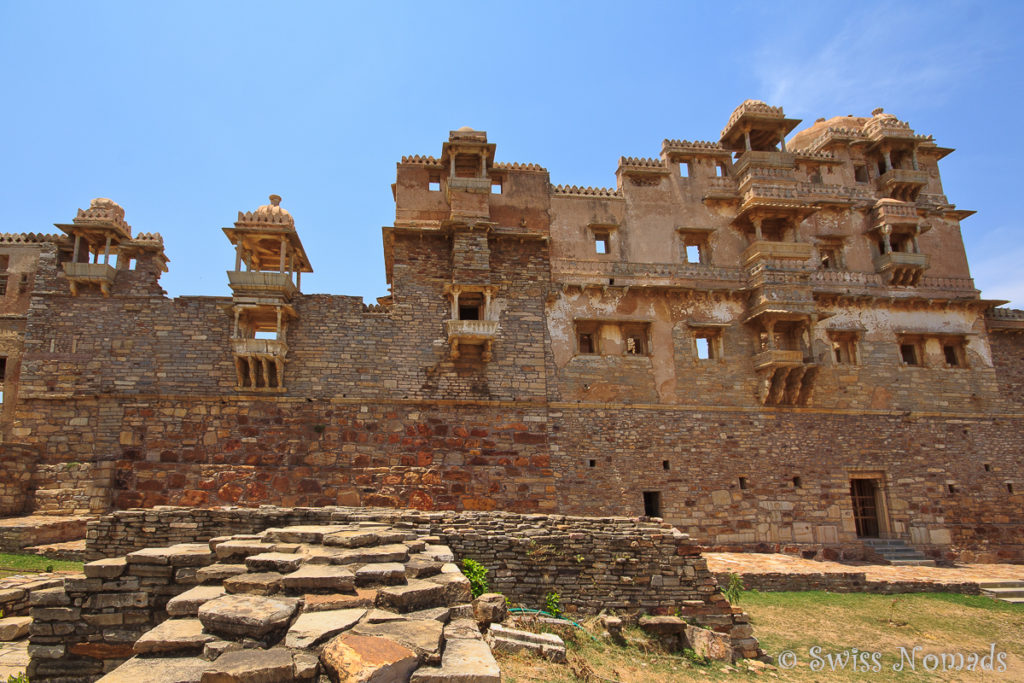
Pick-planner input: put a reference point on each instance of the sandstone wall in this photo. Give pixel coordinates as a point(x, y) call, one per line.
point(17, 469)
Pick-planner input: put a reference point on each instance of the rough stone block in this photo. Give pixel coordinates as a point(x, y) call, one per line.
point(246, 615)
point(313, 628)
point(362, 659)
point(174, 636)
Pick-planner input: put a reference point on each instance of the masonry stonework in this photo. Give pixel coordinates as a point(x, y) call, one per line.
point(771, 341)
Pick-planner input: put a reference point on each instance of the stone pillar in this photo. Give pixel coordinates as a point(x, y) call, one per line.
point(757, 228)
point(886, 231)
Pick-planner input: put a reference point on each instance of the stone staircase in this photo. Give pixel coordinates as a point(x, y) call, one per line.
point(898, 553)
point(1007, 591)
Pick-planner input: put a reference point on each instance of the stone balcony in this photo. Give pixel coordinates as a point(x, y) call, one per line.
point(481, 332)
point(749, 162)
point(470, 184)
point(785, 377)
point(900, 269)
point(259, 347)
point(766, 250)
point(261, 284)
point(90, 274)
point(778, 358)
point(889, 212)
point(902, 184)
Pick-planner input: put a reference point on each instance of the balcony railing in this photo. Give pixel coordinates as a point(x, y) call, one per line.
point(902, 183)
point(257, 281)
point(470, 184)
point(472, 330)
point(90, 273)
point(776, 358)
point(769, 250)
point(900, 269)
point(259, 347)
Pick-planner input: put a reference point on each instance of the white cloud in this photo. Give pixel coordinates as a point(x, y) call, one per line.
point(897, 56)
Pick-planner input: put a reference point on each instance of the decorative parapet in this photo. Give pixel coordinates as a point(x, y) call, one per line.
point(105, 212)
point(578, 191)
point(775, 358)
point(893, 212)
point(642, 170)
point(1000, 313)
point(882, 125)
point(753, 107)
point(421, 160)
point(516, 166)
point(268, 214)
point(686, 148)
point(720, 188)
point(30, 238)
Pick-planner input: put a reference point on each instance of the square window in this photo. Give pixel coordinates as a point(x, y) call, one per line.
point(829, 258)
point(860, 173)
point(434, 186)
point(495, 187)
point(592, 463)
point(798, 483)
point(693, 254)
point(844, 348)
point(634, 339)
point(601, 243)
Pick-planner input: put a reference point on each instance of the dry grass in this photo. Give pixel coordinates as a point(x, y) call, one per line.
point(797, 622)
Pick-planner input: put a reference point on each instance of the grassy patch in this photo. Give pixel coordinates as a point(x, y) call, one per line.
point(11, 564)
point(936, 623)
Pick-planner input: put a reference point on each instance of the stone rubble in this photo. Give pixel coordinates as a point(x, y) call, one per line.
point(380, 602)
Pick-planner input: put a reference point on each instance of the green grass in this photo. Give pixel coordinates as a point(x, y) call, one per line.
point(11, 564)
point(937, 623)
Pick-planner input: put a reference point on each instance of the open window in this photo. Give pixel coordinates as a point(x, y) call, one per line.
point(844, 347)
point(471, 306)
point(587, 339)
point(434, 181)
point(911, 351)
point(830, 255)
point(635, 339)
point(693, 245)
point(707, 341)
point(954, 352)
point(652, 503)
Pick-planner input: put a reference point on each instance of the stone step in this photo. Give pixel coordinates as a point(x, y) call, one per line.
point(1005, 592)
point(912, 563)
point(1000, 584)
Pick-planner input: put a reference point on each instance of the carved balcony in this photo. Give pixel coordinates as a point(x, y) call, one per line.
point(480, 332)
point(902, 184)
point(259, 364)
point(90, 274)
point(261, 284)
point(778, 358)
point(766, 250)
point(900, 269)
point(750, 162)
point(785, 378)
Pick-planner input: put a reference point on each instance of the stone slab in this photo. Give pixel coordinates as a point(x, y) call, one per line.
point(260, 583)
point(319, 578)
point(251, 666)
point(422, 636)
point(246, 615)
point(416, 595)
point(159, 670)
point(174, 635)
point(365, 659)
point(313, 628)
point(187, 604)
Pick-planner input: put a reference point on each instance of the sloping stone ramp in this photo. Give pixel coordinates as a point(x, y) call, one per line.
point(357, 602)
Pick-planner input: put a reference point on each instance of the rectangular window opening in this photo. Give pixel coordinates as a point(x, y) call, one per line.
point(652, 503)
point(5, 262)
point(495, 187)
point(704, 348)
point(634, 338)
point(592, 463)
point(665, 465)
point(586, 343)
point(265, 334)
point(860, 173)
point(720, 170)
point(953, 354)
point(1009, 487)
point(3, 368)
point(693, 254)
point(684, 169)
point(951, 488)
point(601, 243)
point(988, 468)
point(908, 353)
point(743, 483)
point(798, 483)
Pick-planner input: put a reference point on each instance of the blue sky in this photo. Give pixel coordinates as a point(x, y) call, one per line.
point(186, 112)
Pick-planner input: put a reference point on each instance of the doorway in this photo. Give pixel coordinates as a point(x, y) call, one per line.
point(864, 493)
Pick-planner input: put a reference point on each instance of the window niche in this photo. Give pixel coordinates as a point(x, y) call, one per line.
point(694, 246)
point(602, 237)
point(831, 255)
point(612, 338)
point(954, 352)
point(911, 350)
point(707, 341)
point(843, 345)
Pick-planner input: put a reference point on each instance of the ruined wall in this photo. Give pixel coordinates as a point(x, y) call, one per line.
point(17, 470)
point(1008, 358)
point(88, 626)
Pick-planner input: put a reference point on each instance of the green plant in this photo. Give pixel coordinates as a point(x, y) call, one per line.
point(551, 603)
point(477, 575)
point(699, 660)
point(319, 429)
point(579, 559)
point(49, 568)
point(17, 678)
point(734, 589)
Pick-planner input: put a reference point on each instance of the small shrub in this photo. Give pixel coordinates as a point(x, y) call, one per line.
point(19, 678)
point(551, 603)
point(734, 589)
point(477, 575)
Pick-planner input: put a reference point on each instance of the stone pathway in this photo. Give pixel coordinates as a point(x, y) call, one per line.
point(775, 571)
point(13, 658)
